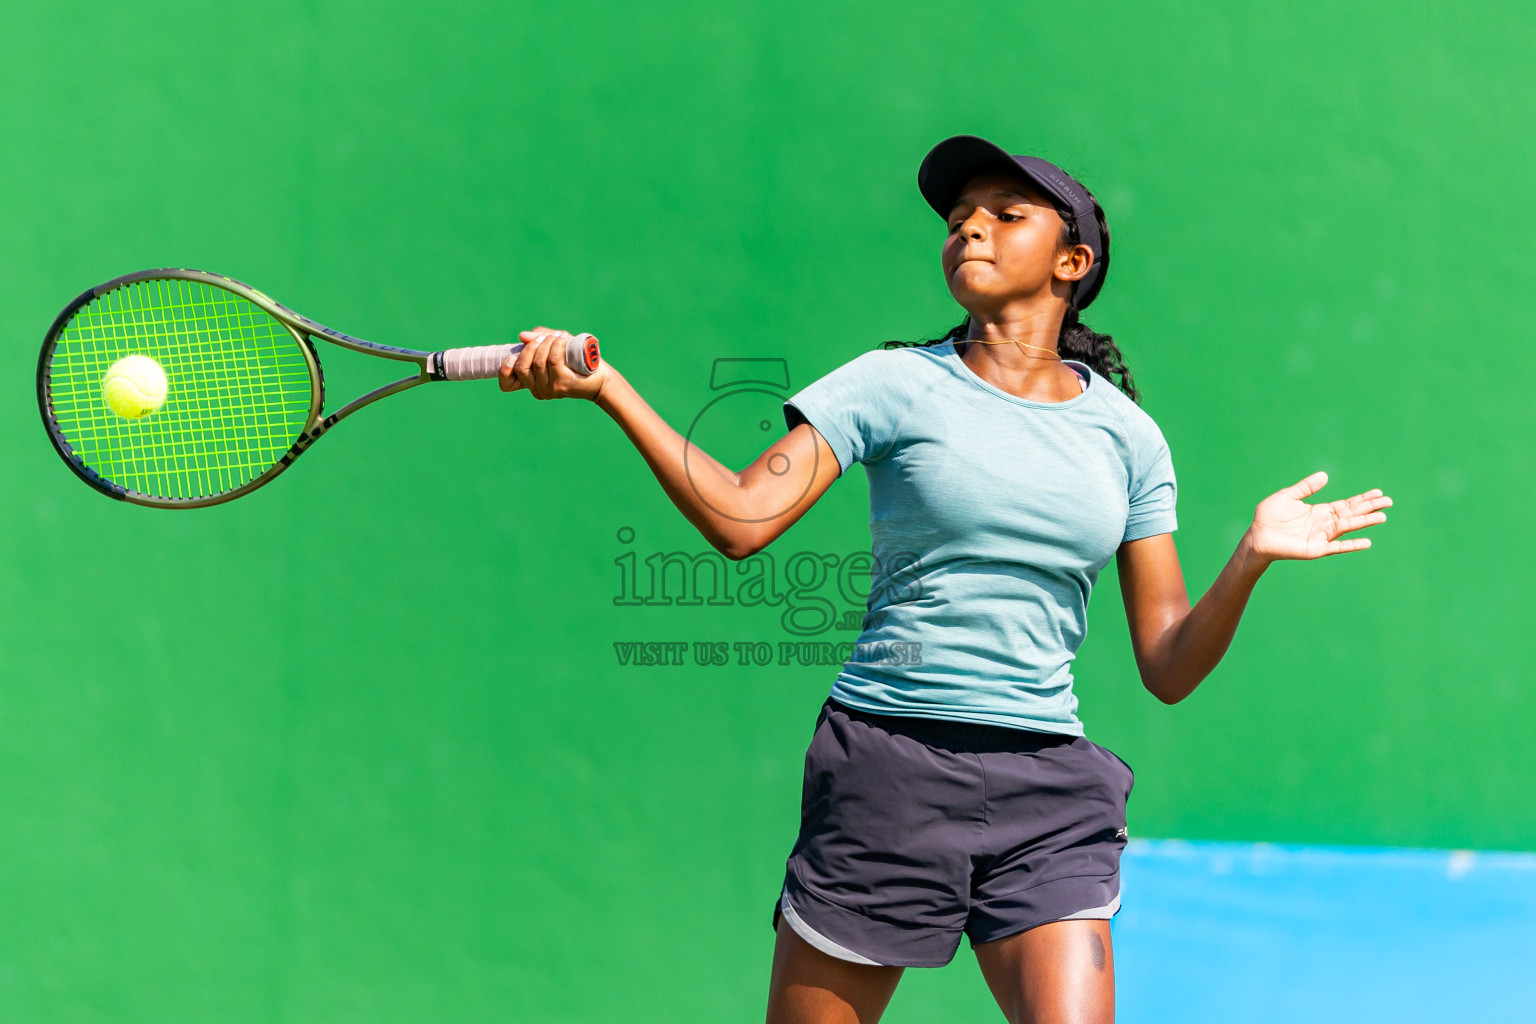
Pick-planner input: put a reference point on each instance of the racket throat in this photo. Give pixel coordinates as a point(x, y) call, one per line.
point(314, 433)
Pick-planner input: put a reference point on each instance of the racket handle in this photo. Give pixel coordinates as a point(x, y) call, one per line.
point(484, 361)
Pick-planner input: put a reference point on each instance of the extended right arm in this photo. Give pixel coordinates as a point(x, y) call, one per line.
point(739, 513)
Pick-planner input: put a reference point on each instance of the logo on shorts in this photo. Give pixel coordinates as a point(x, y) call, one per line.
point(1122, 833)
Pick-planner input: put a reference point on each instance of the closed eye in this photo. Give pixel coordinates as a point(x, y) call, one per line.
point(1004, 216)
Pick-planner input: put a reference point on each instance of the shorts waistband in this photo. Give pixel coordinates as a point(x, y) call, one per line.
point(972, 737)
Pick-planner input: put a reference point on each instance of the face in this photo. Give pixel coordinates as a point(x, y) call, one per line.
point(1003, 245)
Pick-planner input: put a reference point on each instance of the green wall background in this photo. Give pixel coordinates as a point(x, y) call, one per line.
point(359, 747)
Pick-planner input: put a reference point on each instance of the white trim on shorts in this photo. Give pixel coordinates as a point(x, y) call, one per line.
point(827, 946)
point(817, 939)
point(1103, 913)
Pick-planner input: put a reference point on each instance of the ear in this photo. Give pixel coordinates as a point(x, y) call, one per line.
point(1073, 264)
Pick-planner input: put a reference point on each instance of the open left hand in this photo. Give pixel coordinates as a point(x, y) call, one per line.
point(540, 368)
point(1284, 526)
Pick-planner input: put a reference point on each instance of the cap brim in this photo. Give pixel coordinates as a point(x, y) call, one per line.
point(955, 161)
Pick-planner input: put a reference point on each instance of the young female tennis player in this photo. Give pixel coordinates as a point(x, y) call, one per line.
point(953, 792)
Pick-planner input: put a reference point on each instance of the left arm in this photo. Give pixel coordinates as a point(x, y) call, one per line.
point(1177, 646)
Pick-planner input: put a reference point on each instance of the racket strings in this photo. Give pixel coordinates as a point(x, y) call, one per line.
point(238, 388)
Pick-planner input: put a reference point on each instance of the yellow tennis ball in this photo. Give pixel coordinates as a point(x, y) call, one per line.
point(134, 387)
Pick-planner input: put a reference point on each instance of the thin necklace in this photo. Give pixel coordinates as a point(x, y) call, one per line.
point(1026, 344)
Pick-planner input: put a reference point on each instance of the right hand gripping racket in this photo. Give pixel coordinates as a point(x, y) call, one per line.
point(244, 395)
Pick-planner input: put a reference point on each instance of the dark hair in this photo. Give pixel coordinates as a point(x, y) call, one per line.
point(1077, 340)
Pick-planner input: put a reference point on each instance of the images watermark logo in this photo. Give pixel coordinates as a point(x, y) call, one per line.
point(811, 592)
point(814, 591)
point(738, 423)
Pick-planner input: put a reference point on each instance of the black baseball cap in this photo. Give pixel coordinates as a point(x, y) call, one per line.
point(955, 161)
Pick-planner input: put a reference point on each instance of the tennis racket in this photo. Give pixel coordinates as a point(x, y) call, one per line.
point(243, 393)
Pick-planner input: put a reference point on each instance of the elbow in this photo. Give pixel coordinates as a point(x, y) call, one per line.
point(739, 548)
point(1163, 689)
point(1168, 692)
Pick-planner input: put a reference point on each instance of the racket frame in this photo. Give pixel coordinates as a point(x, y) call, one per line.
point(303, 329)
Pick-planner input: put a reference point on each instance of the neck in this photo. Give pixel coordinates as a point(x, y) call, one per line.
point(1036, 319)
point(1035, 373)
point(1036, 328)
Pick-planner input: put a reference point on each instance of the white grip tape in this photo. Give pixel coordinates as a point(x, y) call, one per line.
point(484, 361)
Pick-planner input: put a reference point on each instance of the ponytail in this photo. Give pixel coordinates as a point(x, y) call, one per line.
point(1079, 341)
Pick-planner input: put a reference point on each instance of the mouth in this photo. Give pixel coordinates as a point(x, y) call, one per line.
point(963, 260)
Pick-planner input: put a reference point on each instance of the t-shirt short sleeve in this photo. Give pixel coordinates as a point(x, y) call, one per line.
point(857, 407)
point(1153, 487)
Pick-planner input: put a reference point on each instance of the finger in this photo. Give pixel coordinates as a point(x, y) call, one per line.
point(553, 348)
point(1375, 500)
point(1370, 501)
point(1307, 485)
point(552, 363)
point(1351, 523)
point(1339, 547)
point(504, 376)
point(1347, 507)
point(538, 366)
point(525, 358)
point(538, 373)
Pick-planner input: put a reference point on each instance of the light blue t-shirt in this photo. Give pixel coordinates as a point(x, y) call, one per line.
point(990, 518)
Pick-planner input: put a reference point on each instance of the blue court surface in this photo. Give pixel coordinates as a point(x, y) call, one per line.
point(1234, 932)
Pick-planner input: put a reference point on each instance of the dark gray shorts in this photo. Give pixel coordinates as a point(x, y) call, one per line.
point(914, 831)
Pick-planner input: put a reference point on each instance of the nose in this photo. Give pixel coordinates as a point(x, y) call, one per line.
point(973, 227)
